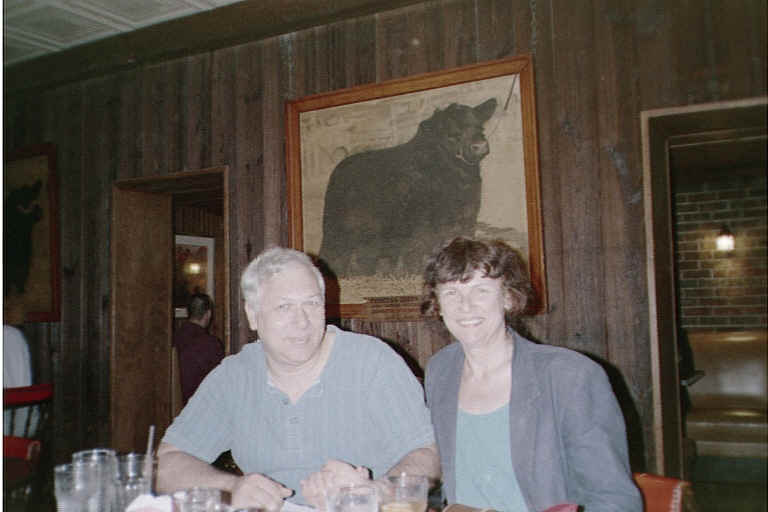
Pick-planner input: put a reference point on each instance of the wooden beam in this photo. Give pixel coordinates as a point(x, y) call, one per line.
point(226, 26)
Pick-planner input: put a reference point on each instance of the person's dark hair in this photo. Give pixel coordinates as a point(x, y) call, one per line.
point(199, 304)
point(459, 259)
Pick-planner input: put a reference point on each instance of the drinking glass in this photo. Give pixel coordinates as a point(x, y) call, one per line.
point(353, 498)
point(196, 499)
point(73, 485)
point(138, 465)
point(405, 493)
point(127, 489)
point(101, 465)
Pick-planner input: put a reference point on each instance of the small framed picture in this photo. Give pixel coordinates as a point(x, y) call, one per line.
point(192, 270)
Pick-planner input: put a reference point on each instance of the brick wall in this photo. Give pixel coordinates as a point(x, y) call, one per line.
point(718, 290)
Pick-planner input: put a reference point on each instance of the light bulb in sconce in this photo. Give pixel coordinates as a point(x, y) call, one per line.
point(193, 268)
point(725, 240)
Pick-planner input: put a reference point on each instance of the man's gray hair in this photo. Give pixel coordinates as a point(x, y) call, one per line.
point(269, 263)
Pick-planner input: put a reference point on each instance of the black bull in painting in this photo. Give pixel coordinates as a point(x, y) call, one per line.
point(387, 209)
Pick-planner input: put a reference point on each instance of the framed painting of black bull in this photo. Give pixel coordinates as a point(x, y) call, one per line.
point(381, 175)
point(31, 279)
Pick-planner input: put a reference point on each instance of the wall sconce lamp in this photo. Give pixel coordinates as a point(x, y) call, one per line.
point(725, 241)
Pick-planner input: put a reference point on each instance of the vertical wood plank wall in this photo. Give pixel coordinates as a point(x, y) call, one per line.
point(597, 65)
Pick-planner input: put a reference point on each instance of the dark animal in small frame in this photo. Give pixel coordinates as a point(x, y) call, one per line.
point(21, 212)
point(387, 209)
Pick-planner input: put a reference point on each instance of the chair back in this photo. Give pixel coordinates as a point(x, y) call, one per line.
point(29, 409)
point(26, 418)
point(665, 494)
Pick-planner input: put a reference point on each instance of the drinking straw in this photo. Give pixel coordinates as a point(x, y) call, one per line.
point(148, 466)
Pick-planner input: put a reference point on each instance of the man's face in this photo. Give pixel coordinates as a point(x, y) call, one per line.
point(290, 316)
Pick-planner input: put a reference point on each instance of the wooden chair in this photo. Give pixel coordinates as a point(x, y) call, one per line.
point(29, 408)
point(664, 494)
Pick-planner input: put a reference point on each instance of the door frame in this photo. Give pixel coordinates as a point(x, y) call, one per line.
point(658, 127)
point(213, 181)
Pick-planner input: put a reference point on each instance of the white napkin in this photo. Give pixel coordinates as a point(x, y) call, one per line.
point(149, 503)
point(293, 507)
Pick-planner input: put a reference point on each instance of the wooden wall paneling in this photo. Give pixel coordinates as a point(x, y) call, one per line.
point(275, 89)
point(223, 153)
point(623, 238)
point(459, 30)
point(249, 150)
point(580, 207)
point(657, 73)
point(360, 51)
point(11, 121)
point(506, 28)
point(696, 66)
point(298, 52)
point(26, 122)
point(392, 44)
point(160, 117)
point(195, 112)
point(64, 129)
point(130, 128)
point(550, 326)
point(336, 42)
point(420, 38)
point(99, 167)
point(736, 35)
point(416, 341)
point(321, 59)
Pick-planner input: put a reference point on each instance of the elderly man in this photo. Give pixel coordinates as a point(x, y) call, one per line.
point(306, 408)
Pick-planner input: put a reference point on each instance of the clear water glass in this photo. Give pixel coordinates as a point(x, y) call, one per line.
point(73, 485)
point(196, 499)
point(137, 465)
point(353, 498)
point(405, 493)
point(127, 489)
point(101, 466)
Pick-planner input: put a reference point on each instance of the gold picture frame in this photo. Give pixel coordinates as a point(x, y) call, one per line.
point(325, 129)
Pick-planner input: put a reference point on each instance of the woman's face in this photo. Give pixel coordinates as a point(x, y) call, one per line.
point(474, 311)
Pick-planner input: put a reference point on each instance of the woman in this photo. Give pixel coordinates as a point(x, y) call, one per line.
point(519, 426)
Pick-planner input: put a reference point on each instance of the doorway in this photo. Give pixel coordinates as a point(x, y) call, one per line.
point(144, 384)
point(665, 131)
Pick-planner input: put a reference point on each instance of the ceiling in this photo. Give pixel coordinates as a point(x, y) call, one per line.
point(33, 28)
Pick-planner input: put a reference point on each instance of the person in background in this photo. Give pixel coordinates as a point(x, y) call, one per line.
point(306, 408)
point(17, 365)
point(519, 426)
point(199, 350)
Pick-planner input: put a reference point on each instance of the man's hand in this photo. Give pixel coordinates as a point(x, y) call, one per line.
point(256, 490)
point(334, 474)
